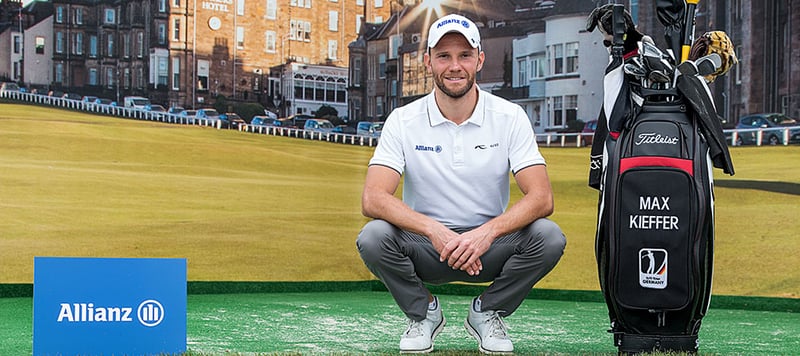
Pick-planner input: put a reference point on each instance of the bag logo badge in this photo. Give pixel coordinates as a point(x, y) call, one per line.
point(653, 268)
point(653, 138)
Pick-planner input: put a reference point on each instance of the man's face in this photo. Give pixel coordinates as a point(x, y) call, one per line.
point(454, 64)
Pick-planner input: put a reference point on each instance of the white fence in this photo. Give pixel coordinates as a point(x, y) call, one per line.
point(758, 136)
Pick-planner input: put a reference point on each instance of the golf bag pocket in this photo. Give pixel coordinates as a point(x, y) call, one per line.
point(653, 245)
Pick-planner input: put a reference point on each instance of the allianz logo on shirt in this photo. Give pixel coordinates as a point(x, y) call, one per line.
point(437, 149)
point(150, 313)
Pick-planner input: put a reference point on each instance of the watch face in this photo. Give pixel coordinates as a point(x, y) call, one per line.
point(214, 23)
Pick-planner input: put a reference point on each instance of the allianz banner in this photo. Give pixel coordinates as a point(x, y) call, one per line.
point(109, 306)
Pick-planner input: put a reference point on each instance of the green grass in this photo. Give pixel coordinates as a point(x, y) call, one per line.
point(248, 207)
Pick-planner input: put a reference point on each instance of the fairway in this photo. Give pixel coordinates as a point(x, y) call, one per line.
point(249, 207)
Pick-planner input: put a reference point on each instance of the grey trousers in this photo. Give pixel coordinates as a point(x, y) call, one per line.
point(405, 261)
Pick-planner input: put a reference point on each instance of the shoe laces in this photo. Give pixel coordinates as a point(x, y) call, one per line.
point(497, 327)
point(414, 328)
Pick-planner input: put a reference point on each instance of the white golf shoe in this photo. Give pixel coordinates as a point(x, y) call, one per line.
point(419, 336)
point(489, 329)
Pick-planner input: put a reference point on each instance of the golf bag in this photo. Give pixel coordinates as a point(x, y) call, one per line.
point(653, 153)
point(655, 234)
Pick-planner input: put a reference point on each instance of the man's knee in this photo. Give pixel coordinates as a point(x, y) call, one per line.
point(551, 236)
point(372, 238)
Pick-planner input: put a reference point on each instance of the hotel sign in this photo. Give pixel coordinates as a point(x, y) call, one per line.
point(216, 5)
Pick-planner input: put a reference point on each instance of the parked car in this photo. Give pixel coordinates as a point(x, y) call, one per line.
point(317, 125)
point(136, 102)
point(231, 120)
point(155, 108)
point(175, 110)
point(267, 121)
point(772, 126)
point(190, 116)
point(9, 86)
point(344, 129)
point(103, 101)
point(299, 120)
point(71, 96)
point(89, 99)
point(369, 128)
point(208, 114)
point(587, 134)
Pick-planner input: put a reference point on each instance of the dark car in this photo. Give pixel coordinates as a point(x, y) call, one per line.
point(268, 121)
point(299, 120)
point(231, 120)
point(587, 133)
point(772, 127)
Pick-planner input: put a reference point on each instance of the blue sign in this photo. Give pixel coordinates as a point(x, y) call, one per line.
point(109, 306)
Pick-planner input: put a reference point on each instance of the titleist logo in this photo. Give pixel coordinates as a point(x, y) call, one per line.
point(655, 138)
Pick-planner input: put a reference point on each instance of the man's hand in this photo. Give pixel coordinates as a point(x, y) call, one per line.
point(464, 252)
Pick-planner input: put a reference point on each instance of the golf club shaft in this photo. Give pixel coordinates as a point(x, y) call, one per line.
point(688, 29)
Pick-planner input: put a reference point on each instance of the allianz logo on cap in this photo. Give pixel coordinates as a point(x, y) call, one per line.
point(464, 23)
point(150, 313)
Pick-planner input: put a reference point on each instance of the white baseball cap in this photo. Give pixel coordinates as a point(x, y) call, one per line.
point(454, 23)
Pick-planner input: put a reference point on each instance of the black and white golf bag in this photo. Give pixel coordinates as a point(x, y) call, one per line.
point(652, 161)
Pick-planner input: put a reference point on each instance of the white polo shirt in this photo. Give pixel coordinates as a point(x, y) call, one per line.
point(457, 174)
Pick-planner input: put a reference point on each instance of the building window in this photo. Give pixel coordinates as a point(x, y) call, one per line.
point(126, 78)
point(240, 7)
point(176, 3)
point(522, 75)
point(176, 29)
point(59, 42)
point(379, 105)
point(126, 45)
point(59, 14)
point(537, 68)
point(572, 57)
point(270, 39)
point(140, 44)
point(382, 66)
point(176, 73)
point(378, 3)
point(395, 41)
point(110, 45)
point(17, 44)
point(272, 9)
point(78, 45)
point(202, 74)
point(332, 49)
point(79, 16)
point(571, 108)
point(163, 71)
point(359, 20)
point(558, 111)
point(239, 37)
point(92, 76)
point(333, 20)
point(558, 59)
point(111, 17)
point(162, 33)
point(356, 79)
point(359, 2)
point(40, 45)
point(162, 5)
point(59, 73)
point(634, 9)
point(109, 77)
point(93, 46)
point(301, 3)
point(16, 71)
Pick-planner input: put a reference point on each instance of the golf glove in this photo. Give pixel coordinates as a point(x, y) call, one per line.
point(602, 16)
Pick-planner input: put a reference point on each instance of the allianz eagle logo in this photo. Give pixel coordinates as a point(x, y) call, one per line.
point(149, 313)
point(423, 148)
point(655, 138)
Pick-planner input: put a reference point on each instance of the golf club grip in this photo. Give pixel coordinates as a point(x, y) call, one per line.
point(688, 29)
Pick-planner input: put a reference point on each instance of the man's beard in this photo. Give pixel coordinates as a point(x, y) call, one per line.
point(452, 93)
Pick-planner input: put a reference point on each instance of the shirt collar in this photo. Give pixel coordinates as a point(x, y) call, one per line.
point(435, 115)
